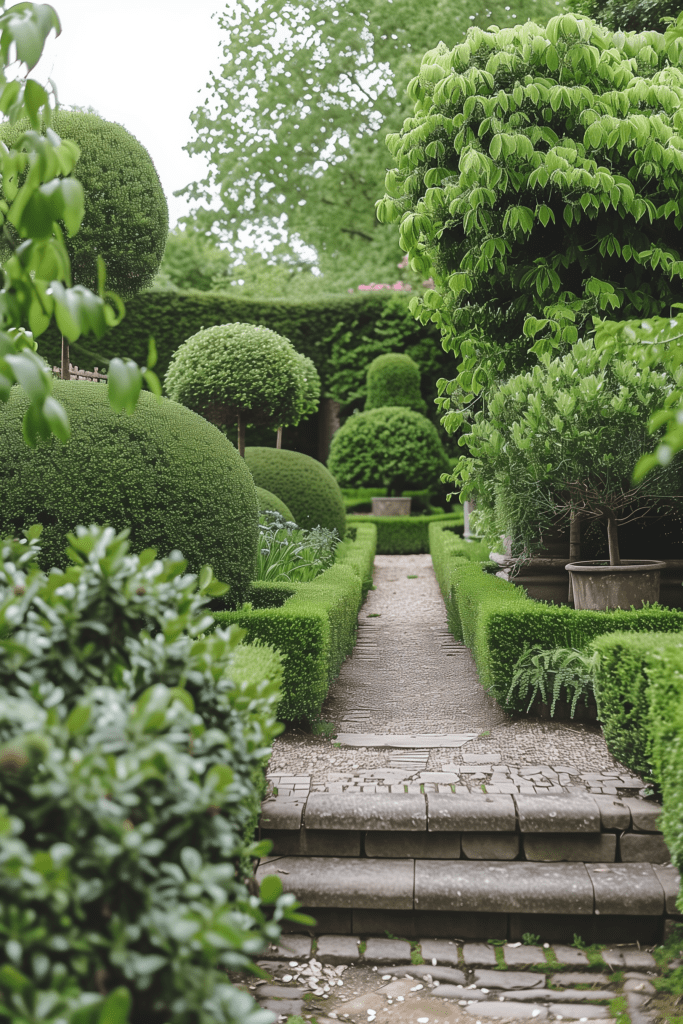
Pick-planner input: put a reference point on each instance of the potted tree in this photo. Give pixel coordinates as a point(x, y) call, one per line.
point(243, 374)
point(556, 448)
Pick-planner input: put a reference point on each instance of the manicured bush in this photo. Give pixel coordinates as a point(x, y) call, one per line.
point(269, 502)
point(407, 535)
point(314, 627)
point(666, 724)
point(392, 447)
point(131, 772)
point(498, 622)
point(126, 215)
point(394, 379)
point(163, 472)
point(303, 483)
point(447, 547)
point(622, 680)
point(238, 373)
point(584, 122)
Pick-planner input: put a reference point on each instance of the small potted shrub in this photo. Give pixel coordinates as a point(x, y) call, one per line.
point(390, 447)
point(556, 447)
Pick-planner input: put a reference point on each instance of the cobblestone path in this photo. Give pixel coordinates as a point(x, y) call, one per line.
point(409, 712)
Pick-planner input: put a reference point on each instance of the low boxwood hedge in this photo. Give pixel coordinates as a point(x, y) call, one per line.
point(312, 624)
point(666, 725)
point(407, 535)
point(498, 622)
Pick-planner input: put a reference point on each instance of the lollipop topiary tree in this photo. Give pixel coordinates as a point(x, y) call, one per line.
point(239, 373)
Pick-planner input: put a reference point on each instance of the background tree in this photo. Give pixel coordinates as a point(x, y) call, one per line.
point(628, 15)
point(294, 125)
point(540, 182)
point(239, 373)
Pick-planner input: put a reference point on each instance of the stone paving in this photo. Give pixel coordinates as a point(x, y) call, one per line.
point(344, 978)
point(411, 716)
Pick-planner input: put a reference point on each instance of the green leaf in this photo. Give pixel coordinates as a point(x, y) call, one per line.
point(117, 1007)
point(78, 720)
point(125, 384)
point(57, 419)
point(271, 889)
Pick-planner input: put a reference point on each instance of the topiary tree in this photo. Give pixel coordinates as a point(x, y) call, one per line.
point(394, 379)
point(126, 214)
point(307, 488)
point(244, 374)
point(391, 447)
point(163, 472)
point(540, 182)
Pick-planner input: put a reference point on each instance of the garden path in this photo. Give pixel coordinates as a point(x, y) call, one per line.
point(409, 711)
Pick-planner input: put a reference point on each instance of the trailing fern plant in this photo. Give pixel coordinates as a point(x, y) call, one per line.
point(549, 675)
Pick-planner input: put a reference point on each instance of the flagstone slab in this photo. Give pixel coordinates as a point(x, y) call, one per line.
point(507, 887)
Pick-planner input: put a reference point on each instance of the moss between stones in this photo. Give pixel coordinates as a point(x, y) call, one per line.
point(164, 472)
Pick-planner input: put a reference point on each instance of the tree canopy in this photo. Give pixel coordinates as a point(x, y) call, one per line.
point(295, 123)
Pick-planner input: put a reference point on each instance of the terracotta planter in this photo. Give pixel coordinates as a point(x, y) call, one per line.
point(601, 587)
point(391, 506)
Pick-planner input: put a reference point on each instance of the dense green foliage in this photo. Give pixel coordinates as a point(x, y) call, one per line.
point(269, 502)
point(313, 625)
point(163, 472)
point(394, 379)
point(666, 724)
point(392, 447)
point(126, 214)
point(621, 692)
point(131, 772)
point(408, 535)
point(287, 554)
point(548, 676)
point(239, 370)
point(499, 623)
point(628, 15)
point(562, 440)
point(307, 488)
point(332, 77)
point(539, 182)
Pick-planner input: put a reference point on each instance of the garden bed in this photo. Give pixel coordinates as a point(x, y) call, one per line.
point(312, 624)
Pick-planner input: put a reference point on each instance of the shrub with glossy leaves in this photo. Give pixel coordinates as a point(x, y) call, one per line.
point(539, 181)
point(394, 379)
point(163, 472)
point(392, 447)
point(129, 772)
point(308, 489)
point(126, 214)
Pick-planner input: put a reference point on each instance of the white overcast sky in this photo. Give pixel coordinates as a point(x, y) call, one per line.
point(144, 64)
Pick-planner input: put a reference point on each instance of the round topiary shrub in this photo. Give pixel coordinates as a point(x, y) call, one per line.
point(269, 502)
point(303, 483)
point(394, 379)
point(126, 214)
point(164, 472)
point(240, 373)
point(392, 447)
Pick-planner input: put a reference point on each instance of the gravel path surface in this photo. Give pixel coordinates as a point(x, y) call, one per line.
point(408, 677)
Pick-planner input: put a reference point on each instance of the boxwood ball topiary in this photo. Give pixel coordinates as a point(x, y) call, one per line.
point(394, 379)
point(126, 214)
point(303, 483)
point(269, 502)
point(392, 447)
point(165, 472)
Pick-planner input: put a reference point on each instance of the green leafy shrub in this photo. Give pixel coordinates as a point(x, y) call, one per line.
point(666, 725)
point(314, 627)
point(126, 214)
point(269, 502)
point(499, 623)
point(447, 548)
point(621, 691)
point(539, 181)
point(303, 483)
point(287, 554)
point(548, 676)
point(561, 441)
point(238, 373)
point(394, 379)
point(130, 772)
point(408, 535)
point(163, 471)
point(392, 447)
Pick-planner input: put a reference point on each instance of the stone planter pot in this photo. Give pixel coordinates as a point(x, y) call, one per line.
point(601, 587)
point(391, 506)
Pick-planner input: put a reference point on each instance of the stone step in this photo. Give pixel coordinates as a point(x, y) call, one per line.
point(447, 826)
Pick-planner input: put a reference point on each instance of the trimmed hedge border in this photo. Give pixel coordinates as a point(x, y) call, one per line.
point(313, 625)
point(498, 622)
point(407, 535)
